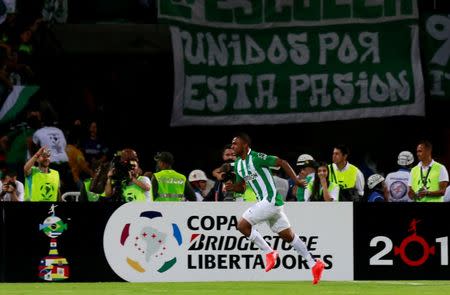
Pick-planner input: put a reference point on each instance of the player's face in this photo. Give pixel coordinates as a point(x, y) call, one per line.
point(238, 146)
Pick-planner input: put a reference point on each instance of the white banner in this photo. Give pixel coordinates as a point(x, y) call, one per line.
point(181, 242)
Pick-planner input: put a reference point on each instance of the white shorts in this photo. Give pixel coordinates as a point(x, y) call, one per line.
point(264, 211)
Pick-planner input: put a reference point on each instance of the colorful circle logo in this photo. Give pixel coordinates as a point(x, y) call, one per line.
point(398, 190)
point(141, 243)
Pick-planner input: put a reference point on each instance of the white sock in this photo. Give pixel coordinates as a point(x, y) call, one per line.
point(301, 249)
point(257, 239)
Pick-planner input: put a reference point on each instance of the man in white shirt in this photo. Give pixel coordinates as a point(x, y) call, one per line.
point(54, 140)
point(397, 182)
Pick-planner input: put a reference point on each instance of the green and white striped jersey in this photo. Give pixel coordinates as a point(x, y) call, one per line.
point(255, 170)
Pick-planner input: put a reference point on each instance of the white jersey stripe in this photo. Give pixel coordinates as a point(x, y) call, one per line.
point(271, 182)
point(244, 168)
point(264, 192)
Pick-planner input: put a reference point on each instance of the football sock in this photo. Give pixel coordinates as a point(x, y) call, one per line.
point(256, 238)
point(301, 249)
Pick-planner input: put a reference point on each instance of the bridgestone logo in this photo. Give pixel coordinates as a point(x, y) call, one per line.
point(212, 249)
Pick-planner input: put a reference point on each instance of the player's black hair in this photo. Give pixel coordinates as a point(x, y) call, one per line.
point(245, 138)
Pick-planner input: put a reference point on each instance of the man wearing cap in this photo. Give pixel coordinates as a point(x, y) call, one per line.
point(41, 183)
point(167, 184)
point(197, 178)
point(307, 167)
point(376, 186)
point(397, 182)
point(429, 178)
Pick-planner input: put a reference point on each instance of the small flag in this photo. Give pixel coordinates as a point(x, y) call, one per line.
point(16, 101)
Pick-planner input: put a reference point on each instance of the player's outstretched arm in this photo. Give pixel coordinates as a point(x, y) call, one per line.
point(289, 171)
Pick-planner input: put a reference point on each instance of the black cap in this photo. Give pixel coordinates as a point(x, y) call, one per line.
point(165, 157)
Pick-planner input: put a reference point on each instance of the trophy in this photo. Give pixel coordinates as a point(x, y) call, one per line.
point(53, 267)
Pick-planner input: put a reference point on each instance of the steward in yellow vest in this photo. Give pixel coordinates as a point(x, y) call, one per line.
point(41, 183)
point(169, 185)
point(429, 178)
point(349, 178)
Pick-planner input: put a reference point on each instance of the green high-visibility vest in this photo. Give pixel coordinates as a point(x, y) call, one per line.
point(345, 179)
point(133, 193)
point(170, 185)
point(432, 181)
point(42, 187)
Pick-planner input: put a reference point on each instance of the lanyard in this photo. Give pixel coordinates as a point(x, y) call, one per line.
point(425, 179)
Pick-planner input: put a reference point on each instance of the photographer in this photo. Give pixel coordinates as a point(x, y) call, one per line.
point(124, 183)
point(12, 189)
point(225, 174)
point(228, 156)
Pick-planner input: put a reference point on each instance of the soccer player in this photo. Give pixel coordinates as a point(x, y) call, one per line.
point(253, 168)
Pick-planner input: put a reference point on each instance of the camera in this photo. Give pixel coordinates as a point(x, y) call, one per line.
point(8, 187)
point(228, 171)
point(122, 169)
point(120, 176)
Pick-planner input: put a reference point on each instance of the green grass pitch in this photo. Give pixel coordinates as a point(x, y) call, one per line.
point(219, 288)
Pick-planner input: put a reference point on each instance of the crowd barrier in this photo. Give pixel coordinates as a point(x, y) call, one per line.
point(163, 242)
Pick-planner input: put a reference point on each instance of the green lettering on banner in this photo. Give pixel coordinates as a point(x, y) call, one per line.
point(234, 12)
point(262, 67)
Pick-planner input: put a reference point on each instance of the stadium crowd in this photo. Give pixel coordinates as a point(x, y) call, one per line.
point(42, 163)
